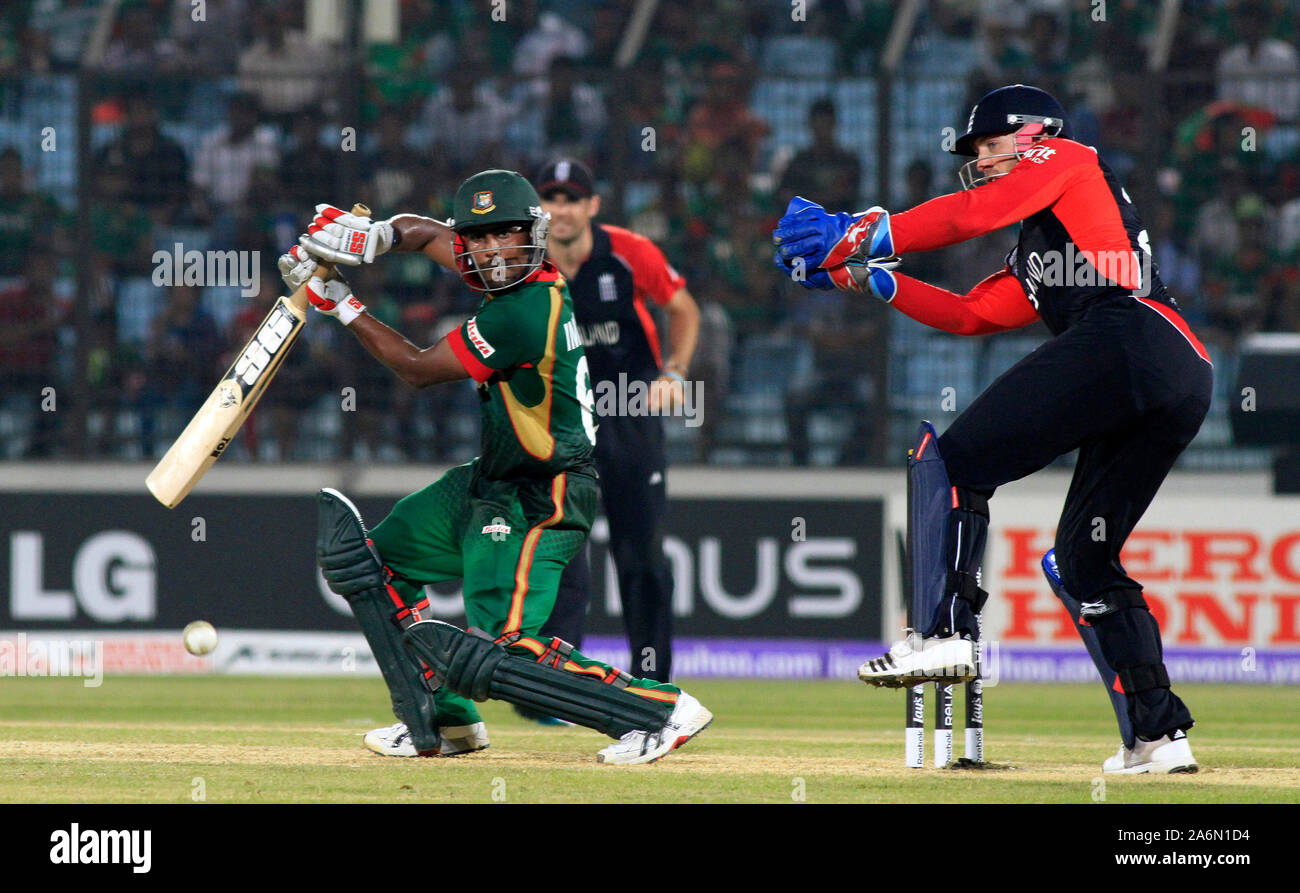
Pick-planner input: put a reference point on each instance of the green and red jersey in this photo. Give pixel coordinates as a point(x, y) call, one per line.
point(523, 348)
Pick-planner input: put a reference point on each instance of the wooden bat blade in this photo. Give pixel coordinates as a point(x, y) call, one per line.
point(218, 420)
point(202, 441)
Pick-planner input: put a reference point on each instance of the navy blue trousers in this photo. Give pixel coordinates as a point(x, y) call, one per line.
point(1127, 389)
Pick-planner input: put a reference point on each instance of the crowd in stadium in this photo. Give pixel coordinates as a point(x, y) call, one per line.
point(726, 110)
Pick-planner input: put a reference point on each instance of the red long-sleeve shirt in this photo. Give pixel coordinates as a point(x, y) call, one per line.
point(1080, 240)
point(995, 305)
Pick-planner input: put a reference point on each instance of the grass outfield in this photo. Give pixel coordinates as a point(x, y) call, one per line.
point(293, 740)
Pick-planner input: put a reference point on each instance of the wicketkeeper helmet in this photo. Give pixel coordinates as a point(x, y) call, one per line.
point(1028, 112)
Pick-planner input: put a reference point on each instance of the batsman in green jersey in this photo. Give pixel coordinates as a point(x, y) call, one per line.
point(507, 523)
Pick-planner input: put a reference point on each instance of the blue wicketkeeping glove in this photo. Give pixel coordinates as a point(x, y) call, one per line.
point(832, 242)
point(804, 273)
point(807, 231)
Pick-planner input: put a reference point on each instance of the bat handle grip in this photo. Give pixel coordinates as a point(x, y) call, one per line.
point(358, 210)
point(324, 267)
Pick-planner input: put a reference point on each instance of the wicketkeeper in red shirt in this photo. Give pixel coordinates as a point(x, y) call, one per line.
point(1124, 380)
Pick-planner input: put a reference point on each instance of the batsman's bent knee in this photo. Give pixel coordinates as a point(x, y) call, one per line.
point(347, 559)
point(354, 570)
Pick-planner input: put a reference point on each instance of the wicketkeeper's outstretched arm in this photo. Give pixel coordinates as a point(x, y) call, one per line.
point(997, 304)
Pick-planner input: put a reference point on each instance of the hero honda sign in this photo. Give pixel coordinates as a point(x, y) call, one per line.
point(1215, 573)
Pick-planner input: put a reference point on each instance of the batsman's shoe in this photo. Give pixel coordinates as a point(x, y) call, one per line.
point(457, 740)
point(1165, 756)
point(395, 741)
point(915, 660)
point(687, 720)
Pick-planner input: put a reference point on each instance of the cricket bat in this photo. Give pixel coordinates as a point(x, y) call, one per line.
point(218, 420)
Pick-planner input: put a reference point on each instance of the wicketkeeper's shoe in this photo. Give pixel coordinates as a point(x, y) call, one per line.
point(915, 660)
point(395, 741)
point(1168, 755)
point(687, 720)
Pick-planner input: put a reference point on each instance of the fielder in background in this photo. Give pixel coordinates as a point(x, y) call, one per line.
point(1124, 380)
point(507, 523)
point(611, 272)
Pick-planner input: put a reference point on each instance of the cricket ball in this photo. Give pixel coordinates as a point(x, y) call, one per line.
point(200, 638)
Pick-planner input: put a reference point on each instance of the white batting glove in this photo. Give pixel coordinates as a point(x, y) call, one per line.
point(296, 267)
point(334, 298)
point(344, 238)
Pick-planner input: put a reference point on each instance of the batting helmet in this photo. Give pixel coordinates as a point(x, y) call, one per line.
point(493, 200)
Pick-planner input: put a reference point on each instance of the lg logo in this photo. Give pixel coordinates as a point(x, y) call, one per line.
point(113, 579)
